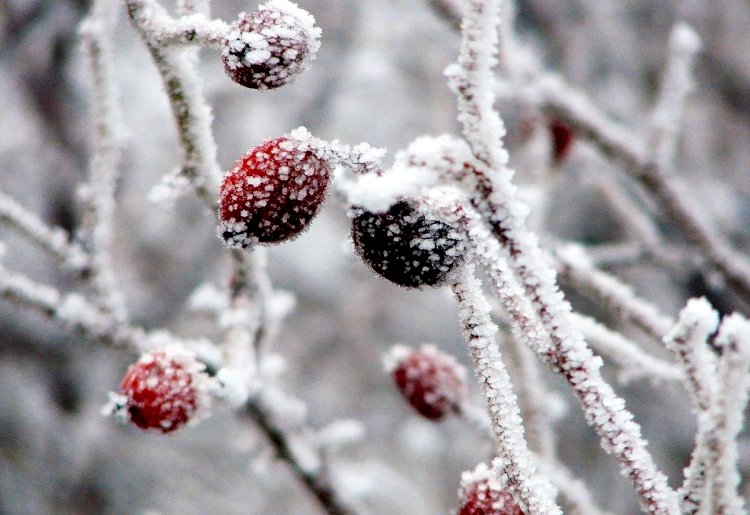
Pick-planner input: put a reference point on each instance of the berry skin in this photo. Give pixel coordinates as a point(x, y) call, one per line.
point(270, 47)
point(433, 382)
point(271, 194)
point(406, 247)
point(562, 139)
point(481, 494)
point(165, 390)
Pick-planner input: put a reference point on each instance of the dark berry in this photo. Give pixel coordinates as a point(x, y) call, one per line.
point(272, 193)
point(270, 47)
point(562, 138)
point(481, 494)
point(433, 382)
point(405, 246)
point(164, 390)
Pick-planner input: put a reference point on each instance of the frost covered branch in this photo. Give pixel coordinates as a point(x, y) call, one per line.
point(199, 169)
point(480, 333)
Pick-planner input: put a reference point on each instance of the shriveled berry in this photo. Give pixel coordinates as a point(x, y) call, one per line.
point(270, 47)
point(164, 390)
point(272, 193)
point(433, 382)
point(405, 246)
point(562, 138)
point(481, 494)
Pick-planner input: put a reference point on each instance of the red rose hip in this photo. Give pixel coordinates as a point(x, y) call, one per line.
point(433, 382)
point(481, 494)
point(272, 193)
point(165, 390)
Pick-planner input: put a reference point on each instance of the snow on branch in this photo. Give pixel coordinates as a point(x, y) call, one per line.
point(733, 341)
point(53, 240)
point(519, 472)
point(633, 362)
point(163, 30)
point(192, 114)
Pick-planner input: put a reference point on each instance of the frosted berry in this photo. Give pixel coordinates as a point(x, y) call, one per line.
point(164, 390)
point(481, 494)
point(272, 193)
point(562, 138)
point(270, 47)
point(405, 246)
point(433, 382)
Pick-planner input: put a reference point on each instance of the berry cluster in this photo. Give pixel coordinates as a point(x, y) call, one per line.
point(270, 47)
point(165, 390)
point(482, 494)
point(433, 382)
point(407, 247)
point(272, 193)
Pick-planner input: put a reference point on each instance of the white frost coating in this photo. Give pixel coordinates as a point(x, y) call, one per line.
point(420, 167)
point(576, 266)
point(531, 491)
point(734, 372)
point(169, 188)
point(633, 362)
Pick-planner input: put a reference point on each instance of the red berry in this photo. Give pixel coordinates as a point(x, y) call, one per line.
point(562, 138)
point(481, 494)
point(406, 247)
point(270, 47)
point(165, 390)
point(272, 193)
point(433, 382)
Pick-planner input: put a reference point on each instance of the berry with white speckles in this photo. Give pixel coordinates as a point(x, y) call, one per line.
point(272, 193)
point(405, 246)
point(482, 494)
point(433, 382)
point(165, 390)
point(270, 47)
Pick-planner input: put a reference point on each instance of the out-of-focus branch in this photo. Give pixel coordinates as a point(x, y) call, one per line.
point(53, 240)
point(96, 31)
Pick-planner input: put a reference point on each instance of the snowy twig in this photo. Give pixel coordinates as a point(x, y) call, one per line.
point(96, 34)
point(722, 475)
point(576, 268)
point(633, 362)
point(541, 302)
point(163, 30)
point(54, 240)
point(190, 110)
point(530, 490)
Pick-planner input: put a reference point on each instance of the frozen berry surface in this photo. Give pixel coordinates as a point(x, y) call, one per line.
point(270, 47)
point(406, 247)
point(162, 391)
point(271, 194)
point(433, 382)
point(482, 494)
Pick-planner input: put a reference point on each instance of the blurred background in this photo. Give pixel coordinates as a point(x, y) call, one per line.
point(378, 78)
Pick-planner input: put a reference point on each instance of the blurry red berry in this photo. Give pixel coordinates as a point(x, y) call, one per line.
point(481, 494)
point(433, 382)
point(163, 391)
point(405, 246)
point(270, 47)
point(562, 139)
point(271, 194)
